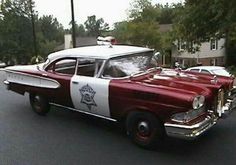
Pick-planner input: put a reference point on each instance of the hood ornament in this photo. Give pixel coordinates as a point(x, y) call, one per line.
point(214, 80)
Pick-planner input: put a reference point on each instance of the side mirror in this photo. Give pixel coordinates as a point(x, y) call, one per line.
point(156, 55)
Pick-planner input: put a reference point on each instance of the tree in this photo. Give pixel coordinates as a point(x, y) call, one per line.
point(142, 28)
point(50, 33)
point(167, 13)
point(95, 27)
point(79, 30)
point(16, 41)
point(51, 28)
point(15, 31)
point(121, 32)
point(143, 10)
point(200, 20)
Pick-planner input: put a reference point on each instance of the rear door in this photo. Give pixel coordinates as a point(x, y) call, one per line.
point(62, 71)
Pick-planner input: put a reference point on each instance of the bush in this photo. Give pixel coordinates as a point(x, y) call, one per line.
point(36, 60)
point(232, 69)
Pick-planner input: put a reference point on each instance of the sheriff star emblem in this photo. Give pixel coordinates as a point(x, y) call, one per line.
point(87, 94)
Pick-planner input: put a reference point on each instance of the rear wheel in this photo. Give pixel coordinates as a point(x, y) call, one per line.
point(39, 104)
point(144, 129)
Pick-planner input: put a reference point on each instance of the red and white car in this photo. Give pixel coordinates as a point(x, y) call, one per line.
point(122, 84)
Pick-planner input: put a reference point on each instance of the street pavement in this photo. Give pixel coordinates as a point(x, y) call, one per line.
point(68, 138)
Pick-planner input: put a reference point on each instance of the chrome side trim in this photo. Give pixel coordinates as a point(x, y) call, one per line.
point(84, 112)
point(57, 84)
point(7, 84)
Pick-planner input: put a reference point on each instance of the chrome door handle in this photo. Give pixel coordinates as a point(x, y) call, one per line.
point(75, 82)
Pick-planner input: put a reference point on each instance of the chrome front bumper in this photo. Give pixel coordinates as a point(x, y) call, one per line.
point(189, 132)
point(7, 83)
point(192, 131)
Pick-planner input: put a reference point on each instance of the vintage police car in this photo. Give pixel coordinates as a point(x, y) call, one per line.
point(122, 83)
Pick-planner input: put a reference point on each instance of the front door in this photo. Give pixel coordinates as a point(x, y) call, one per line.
point(91, 95)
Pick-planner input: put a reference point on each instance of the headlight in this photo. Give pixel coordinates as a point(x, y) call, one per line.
point(198, 102)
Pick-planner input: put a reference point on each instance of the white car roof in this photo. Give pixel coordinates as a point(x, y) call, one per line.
point(98, 52)
point(207, 67)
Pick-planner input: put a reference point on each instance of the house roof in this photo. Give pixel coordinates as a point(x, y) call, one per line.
point(80, 42)
point(86, 41)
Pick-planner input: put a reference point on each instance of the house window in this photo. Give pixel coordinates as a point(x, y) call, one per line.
point(190, 46)
point(214, 44)
point(181, 45)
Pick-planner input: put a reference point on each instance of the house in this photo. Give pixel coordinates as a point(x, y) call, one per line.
point(209, 53)
point(80, 42)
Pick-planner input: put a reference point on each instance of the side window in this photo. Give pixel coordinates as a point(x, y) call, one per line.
point(194, 70)
point(205, 71)
point(64, 66)
point(87, 67)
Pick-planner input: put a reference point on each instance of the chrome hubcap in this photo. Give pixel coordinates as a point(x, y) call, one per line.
point(143, 128)
point(37, 103)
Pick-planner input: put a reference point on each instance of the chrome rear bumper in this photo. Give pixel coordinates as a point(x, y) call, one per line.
point(6, 84)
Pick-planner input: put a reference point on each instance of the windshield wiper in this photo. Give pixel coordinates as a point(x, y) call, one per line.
point(137, 73)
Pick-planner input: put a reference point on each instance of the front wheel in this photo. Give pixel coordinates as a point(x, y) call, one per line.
point(39, 104)
point(144, 129)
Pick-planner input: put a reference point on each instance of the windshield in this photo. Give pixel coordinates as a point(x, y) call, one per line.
point(221, 72)
point(128, 65)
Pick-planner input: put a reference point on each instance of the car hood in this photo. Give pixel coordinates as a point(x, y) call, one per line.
point(187, 78)
point(168, 90)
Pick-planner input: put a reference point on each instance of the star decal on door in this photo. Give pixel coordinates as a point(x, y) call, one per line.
point(87, 96)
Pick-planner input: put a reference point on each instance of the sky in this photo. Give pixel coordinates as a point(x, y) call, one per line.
point(110, 10)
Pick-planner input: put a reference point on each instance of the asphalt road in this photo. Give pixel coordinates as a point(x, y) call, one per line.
point(69, 138)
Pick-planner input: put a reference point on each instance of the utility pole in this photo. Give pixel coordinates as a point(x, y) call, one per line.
point(33, 28)
point(73, 24)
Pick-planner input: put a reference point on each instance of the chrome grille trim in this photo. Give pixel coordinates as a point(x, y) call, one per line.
point(220, 101)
